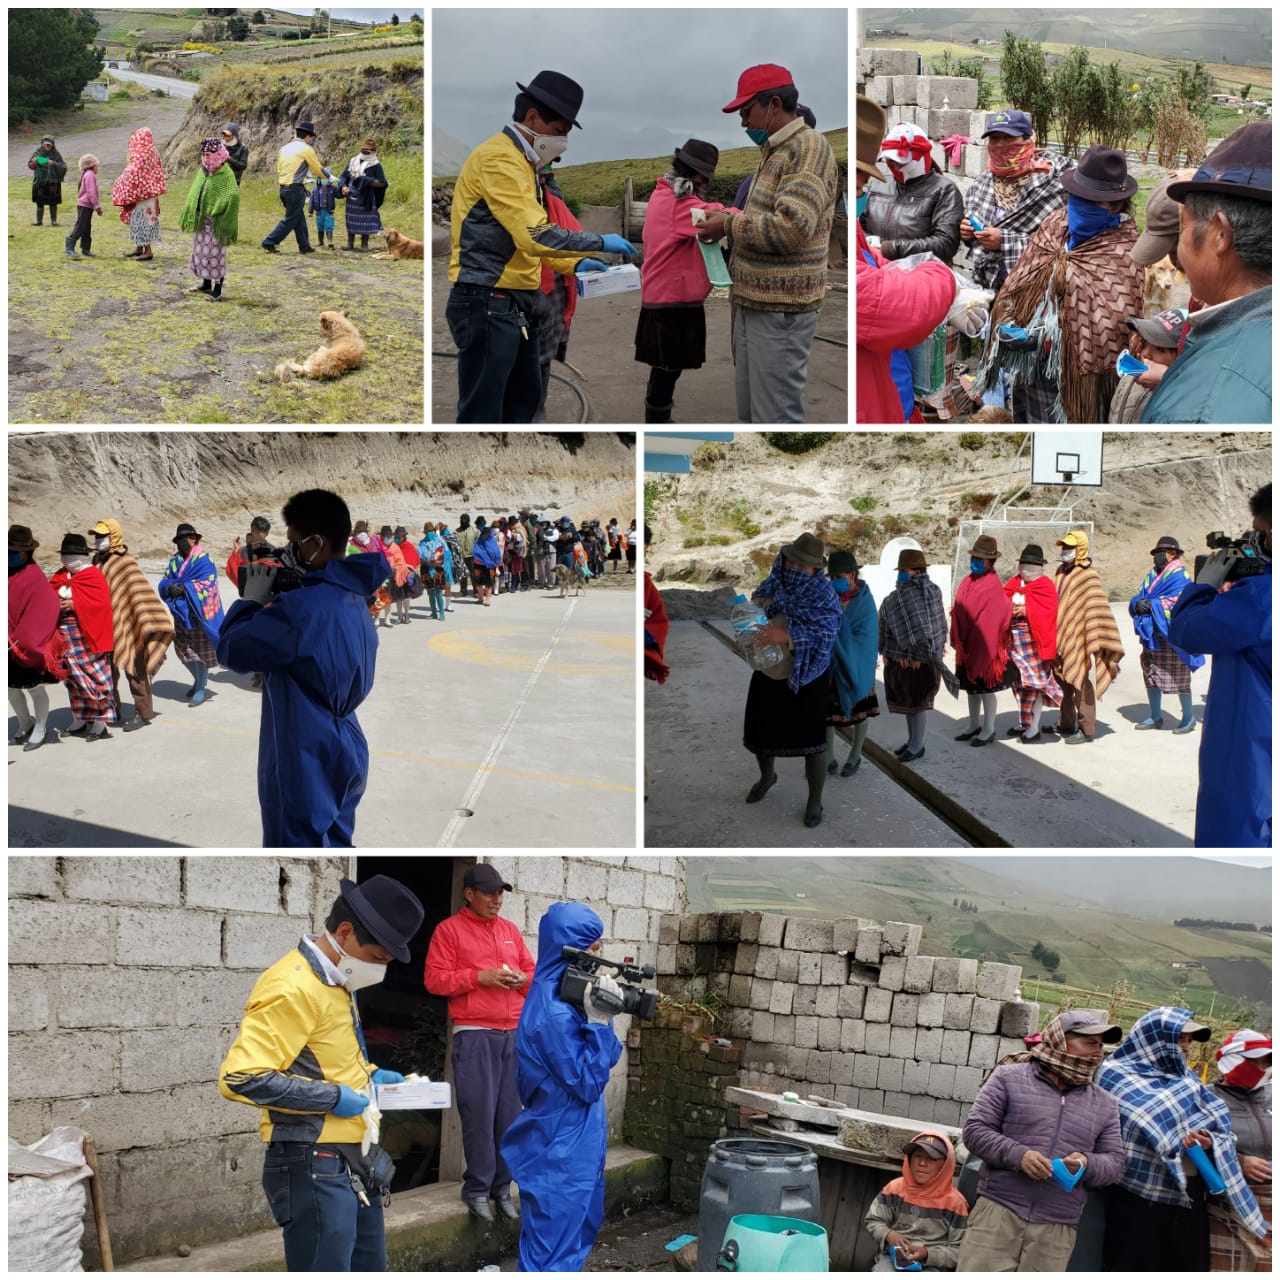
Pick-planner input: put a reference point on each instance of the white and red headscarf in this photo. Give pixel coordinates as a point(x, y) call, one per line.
point(1238, 1058)
point(910, 147)
point(143, 176)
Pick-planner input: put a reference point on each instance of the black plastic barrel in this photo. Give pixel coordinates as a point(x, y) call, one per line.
point(753, 1175)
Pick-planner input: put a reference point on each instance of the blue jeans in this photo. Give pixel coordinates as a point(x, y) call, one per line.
point(294, 199)
point(325, 1226)
point(499, 373)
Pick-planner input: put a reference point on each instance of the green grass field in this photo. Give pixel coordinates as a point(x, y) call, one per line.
point(318, 55)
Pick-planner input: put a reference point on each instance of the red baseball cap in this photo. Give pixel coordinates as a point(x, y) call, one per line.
point(768, 75)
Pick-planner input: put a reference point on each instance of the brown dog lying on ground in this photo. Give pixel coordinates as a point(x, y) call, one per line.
point(399, 246)
point(343, 350)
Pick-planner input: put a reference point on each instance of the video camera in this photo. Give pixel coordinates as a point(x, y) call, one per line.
point(1248, 564)
point(583, 970)
point(288, 578)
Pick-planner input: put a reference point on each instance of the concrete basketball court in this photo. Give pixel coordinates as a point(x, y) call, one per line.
point(506, 727)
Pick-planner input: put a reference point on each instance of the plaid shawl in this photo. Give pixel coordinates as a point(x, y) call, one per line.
point(1041, 195)
point(913, 626)
point(1052, 1051)
point(1163, 589)
point(142, 625)
point(1161, 1100)
point(1087, 632)
point(980, 621)
point(813, 613)
point(1078, 301)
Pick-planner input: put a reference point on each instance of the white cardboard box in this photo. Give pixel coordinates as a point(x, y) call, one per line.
point(414, 1095)
point(621, 279)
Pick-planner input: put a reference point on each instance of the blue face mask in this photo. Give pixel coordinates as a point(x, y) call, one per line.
point(840, 585)
point(1086, 220)
point(17, 559)
point(977, 565)
point(758, 136)
point(863, 201)
point(904, 575)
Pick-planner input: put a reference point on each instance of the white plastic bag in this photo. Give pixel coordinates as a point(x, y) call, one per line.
point(47, 1202)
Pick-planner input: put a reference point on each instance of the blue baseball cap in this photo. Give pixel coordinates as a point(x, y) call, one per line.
point(1017, 124)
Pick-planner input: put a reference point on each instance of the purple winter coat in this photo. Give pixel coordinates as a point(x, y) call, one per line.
point(1020, 1110)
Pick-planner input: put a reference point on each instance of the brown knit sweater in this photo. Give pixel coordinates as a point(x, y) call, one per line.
point(780, 241)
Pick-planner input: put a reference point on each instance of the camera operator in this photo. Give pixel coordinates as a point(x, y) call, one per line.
point(1233, 807)
point(316, 649)
point(555, 1148)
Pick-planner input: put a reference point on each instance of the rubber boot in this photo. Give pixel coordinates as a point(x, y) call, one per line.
point(657, 412)
point(202, 679)
point(364, 243)
point(70, 246)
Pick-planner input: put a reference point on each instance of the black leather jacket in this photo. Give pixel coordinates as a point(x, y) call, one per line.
point(920, 216)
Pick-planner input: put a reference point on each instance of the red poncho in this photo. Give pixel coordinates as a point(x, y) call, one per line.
point(980, 627)
point(91, 603)
point(655, 633)
point(33, 616)
point(410, 553)
point(1041, 608)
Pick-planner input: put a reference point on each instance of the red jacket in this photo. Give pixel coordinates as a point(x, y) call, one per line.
point(894, 310)
point(460, 947)
point(673, 268)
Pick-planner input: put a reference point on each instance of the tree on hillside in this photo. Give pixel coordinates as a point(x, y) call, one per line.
point(395, 19)
point(1194, 87)
point(237, 28)
point(1073, 86)
point(1025, 77)
point(1113, 116)
point(258, 18)
point(53, 49)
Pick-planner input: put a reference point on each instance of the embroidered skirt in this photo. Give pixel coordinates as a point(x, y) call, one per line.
point(778, 722)
point(208, 257)
point(193, 646)
point(144, 222)
point(1162, 669)
point(861, 710)
point(910, 689)
point(88, 679)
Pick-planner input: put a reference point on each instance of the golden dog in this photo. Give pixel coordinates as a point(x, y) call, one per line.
point(1158, 286)
point(399, 246)
point(342, 351)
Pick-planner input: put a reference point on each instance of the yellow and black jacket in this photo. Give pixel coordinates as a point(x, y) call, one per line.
point(501, 236)
point(298, 1041)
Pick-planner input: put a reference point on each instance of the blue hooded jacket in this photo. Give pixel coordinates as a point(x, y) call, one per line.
point(555, 1148)
point(1233, 807)
point(315, 648)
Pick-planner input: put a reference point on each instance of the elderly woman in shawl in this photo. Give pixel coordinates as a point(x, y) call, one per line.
point(1162, 1200)
point(1033, 642)
point(853, 664)
point(33, 619)
point(190, 589)
point(980, 621)
point(1088, 638)
point(1165, 667)
point(84, 640)
point(437, 567)
point(913, 633)
point(363, 185)
point(788, 717)
point(1058, 324)
point(212, 211)
point(48, 169)
point(137, 191)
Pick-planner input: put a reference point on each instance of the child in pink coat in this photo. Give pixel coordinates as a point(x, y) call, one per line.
point(87, 204)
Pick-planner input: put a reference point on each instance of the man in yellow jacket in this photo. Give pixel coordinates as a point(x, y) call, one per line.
point(500, 238)
point(300, 1056)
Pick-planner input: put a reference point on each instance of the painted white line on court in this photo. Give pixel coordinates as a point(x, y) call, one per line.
point(450, 833)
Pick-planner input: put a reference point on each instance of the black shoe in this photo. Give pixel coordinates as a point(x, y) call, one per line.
point(49, 736)
point(1148, 723)
point(1189, 727)
point(270, 248)
point(813, 819)
point(84, 253)
point(757, 792)
point(507, 1207)
point(136, 723)
point(19, 738)
point(982, 742)
point(1076, 738)
point(850, 767)
point(912, 756)
point(1014, 731)
point(81, 732)
point(902, 750)
point(308, 249)
point(98, 737)
point(833, 768)
point(967, 734)
point(1035, 737)
point(480, 1209)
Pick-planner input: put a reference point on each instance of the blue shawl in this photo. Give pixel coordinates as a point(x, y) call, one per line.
point(201, 605)
point(854, 657)
point(486, 550)
point(427, 548)
point(811, 607)
point(1163, 590)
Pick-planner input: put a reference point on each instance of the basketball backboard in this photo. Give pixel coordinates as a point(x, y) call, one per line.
point(1066, 457)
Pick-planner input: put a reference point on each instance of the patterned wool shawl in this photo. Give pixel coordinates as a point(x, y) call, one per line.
point(201, 605)
point(1041, 608)
point(143, 175)
point(1052, 1052)
point(1161, 1100)
point(812, 611)
point(913, 621)
point(1089, 291)
point(217, 196)
point(435, 545)
point(1163, 589)
point(1087, 631)
point(141, 623)
point(853, 659)
point(980, 621)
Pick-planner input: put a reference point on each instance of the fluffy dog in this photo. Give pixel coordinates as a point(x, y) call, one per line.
point(1158, 286)
point(399, 246)
point(567, 577)
point(992, 413)
point(343, 350)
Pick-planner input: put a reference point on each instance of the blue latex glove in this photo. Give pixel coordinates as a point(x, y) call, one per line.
point(387, 1077)
point(350, 1103)
point(590, 264)
point(616, 244)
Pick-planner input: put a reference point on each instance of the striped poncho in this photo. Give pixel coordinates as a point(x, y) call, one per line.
point(141, 623)
point(1087, 631)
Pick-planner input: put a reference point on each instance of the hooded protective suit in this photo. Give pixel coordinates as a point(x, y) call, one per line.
point(1233, 808)
point(315, 648)
point(555, 1147)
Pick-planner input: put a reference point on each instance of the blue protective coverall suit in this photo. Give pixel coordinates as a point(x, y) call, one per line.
point(555, 1147)
point(1233, 807)
point(315, 648)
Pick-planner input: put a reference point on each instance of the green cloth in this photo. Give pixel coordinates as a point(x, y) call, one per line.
point(215, 196)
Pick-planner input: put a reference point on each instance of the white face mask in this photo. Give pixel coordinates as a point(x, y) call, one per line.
point(548, 146)
point(1068, 555)
point(73, 564)
point(103, 544)
point(358, 973)
point(1029, 572)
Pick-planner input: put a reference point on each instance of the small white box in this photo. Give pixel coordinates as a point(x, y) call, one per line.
point(413, 1095)
point(622, 279)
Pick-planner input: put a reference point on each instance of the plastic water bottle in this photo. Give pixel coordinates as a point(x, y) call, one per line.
point(747, 620)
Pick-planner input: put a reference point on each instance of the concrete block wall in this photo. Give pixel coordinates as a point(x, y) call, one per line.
point(127, 979)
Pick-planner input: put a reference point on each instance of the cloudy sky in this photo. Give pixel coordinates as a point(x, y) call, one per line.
point(651, 77)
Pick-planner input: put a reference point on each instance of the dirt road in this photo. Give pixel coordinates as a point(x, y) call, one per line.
point(110, 144)
point(602, 345)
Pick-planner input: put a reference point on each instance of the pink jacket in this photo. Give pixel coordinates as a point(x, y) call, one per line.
point(673, 270)
point(88, 197)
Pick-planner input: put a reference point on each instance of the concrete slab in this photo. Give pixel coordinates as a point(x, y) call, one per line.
point(485, 711)
point(701, 773)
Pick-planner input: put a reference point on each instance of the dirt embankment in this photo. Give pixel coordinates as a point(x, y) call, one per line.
point(724, 522)
point(151, 481)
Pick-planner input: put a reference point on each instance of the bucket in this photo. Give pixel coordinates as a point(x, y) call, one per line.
point(753, 1176)
point(757, 1242)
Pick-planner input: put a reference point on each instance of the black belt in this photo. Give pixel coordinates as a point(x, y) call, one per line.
point(487, 290)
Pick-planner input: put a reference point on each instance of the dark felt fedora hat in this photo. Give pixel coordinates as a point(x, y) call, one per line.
point(1032, 553)
point(842, 563)
point(387, 910)
point(1167, 543)
point(986, 547)
point(186, 531)
point(699, 155)
point(805, 550)
point(1240, 165)
point(21, 538)
point(911, 558)
point(560, 95)
point(74, 544)
point(1101, 176)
